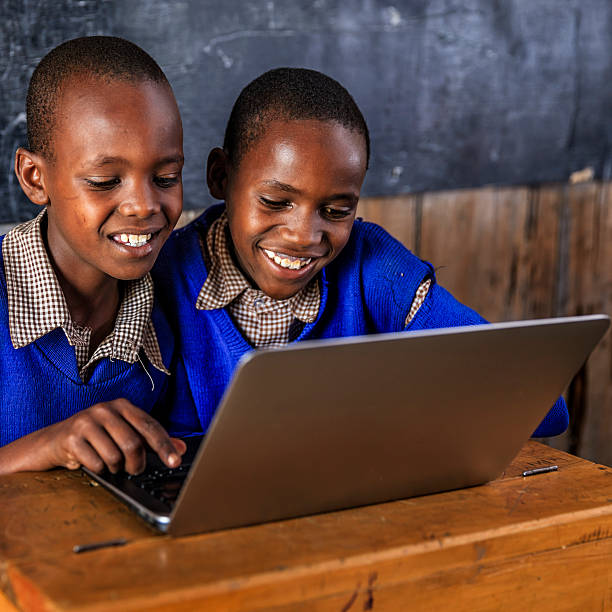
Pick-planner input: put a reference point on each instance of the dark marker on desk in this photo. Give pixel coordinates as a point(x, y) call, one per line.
point(80, 548)
point(542, 470)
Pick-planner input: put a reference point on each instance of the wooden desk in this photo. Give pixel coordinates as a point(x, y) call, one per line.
point(542, 542)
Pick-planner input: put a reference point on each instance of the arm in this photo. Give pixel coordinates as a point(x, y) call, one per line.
point(111, 434)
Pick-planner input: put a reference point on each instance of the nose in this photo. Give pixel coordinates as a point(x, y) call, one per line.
point(303, 228)
point(140, 200)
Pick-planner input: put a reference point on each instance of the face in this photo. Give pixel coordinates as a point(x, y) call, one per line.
point(291, 201)
point(114, 186)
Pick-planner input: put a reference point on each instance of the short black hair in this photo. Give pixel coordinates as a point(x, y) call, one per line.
point(107, 58)
point(287, 94)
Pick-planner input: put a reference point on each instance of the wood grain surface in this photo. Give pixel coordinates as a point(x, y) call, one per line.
point(542, 542)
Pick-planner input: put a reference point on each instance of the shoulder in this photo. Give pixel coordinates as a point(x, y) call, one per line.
point(180, 270)
point(380, 255)
point(183, 248)
point(441, 309)
point(3, 288)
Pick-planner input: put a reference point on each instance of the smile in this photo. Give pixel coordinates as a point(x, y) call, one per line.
point(132, 240)
point(287, 261)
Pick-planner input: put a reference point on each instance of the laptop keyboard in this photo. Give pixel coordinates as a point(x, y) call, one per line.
point(161, 482)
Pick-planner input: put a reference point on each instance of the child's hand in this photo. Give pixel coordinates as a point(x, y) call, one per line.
point(111, 434)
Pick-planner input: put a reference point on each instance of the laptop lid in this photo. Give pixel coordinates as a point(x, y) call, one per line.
point(323, 425)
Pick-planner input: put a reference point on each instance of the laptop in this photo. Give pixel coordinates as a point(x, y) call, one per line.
point(329, 424)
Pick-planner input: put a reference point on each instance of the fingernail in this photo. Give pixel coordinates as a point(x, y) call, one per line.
point(173, 459)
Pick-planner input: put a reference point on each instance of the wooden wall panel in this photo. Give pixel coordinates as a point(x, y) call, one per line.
point(402, 213)
point(589, 282)
point(524, 252)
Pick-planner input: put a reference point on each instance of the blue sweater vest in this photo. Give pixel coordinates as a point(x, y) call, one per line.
point(41, 384)
point(367, 289)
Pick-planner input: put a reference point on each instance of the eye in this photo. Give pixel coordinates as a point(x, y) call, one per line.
point(102, 185)
point(335, 214)
point(166, 181)
point(273, 204)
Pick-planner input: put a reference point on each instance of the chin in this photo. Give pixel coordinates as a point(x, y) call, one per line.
point(283, 294)
point(128, 275)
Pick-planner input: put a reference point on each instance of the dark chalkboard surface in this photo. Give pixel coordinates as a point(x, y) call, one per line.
point(456, 93)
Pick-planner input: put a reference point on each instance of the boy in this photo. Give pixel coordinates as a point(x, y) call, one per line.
point(284, 259)
point(76, 300)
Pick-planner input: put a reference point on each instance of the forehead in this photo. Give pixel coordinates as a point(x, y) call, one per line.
point(96, 113)
point(305, 149)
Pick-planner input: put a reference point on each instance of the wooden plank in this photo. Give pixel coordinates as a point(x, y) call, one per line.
point(6, 605)
point(43, 514)
point(496, 249)
point(590, 278)
point(542, 233)
point(398, 214)
point(485, 537)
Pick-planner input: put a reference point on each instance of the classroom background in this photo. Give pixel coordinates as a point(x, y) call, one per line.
point(491, 127)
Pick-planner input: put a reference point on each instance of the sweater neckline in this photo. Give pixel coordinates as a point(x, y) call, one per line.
point(198, 273)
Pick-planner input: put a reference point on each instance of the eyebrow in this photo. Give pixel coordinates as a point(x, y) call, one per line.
point(290, 189)
point(282, 186)
point(105, 160)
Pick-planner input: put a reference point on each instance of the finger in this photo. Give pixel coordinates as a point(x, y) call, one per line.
point(128, 448)
point(179, 446)
point(153, 433)
point(80, 453)
point(117, 444)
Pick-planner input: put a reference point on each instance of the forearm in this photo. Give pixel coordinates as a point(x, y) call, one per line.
point(27, 454)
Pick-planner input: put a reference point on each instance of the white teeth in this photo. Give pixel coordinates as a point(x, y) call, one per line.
point(287, 261)
point(133, 240)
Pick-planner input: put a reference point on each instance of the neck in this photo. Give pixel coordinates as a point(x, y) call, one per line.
point(92, 297)
point(94, 305)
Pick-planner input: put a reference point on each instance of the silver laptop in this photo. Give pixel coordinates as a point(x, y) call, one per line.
point(329, 424)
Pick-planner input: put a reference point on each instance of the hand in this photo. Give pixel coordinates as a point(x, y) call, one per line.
point(112, 434)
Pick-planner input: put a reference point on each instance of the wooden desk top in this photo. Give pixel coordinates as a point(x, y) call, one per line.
point(517, 543)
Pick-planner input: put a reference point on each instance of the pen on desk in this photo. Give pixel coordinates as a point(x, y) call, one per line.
point(542, 470)
point(80, 548)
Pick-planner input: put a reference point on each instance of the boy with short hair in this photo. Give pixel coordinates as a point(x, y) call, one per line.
point(82, 343)
point(284, 259)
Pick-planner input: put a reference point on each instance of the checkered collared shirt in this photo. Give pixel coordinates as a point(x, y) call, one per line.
point(264, 321)
point(36, 305)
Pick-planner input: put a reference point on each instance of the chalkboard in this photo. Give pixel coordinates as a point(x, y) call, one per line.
point(456, 93)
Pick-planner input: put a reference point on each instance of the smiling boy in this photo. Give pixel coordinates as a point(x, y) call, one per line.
point(83, 349)
point(285, 259)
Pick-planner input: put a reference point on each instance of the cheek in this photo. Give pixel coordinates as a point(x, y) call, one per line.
point(340, 237)
point(245, 227)
point(175, 208)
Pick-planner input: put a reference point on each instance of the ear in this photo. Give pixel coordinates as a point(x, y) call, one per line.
point(217, 171)
point(29, 169)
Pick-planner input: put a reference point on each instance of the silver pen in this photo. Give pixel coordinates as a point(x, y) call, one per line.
point(542, 470)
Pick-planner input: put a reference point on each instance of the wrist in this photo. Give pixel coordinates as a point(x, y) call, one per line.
point(28, 454)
